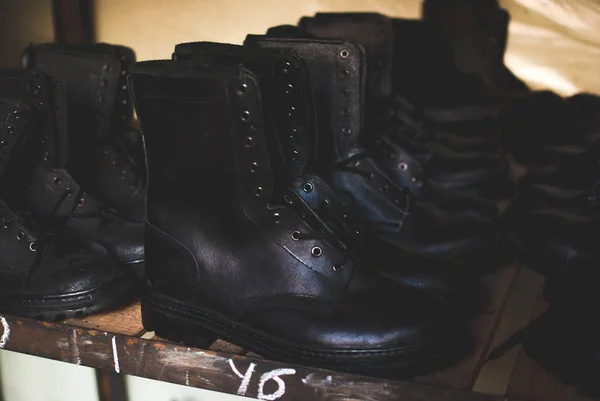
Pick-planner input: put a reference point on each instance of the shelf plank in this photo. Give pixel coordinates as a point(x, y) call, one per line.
point(208, 369)
point(463, 375)
point(125, 321)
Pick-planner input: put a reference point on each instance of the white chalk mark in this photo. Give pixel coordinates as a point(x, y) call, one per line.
point(115, 355)
point(245, 378)
point(187, 377)
point(5, 331)
point(74, 348)
point(273, 375)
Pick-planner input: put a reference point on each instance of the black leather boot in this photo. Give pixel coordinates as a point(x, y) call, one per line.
point(443, 278)
point(106, 153)
point(41, 183)
point(230, 257)
point(337, 70)
point(479, 170)
point(46, 276)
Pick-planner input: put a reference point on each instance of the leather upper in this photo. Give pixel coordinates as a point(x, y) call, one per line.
point(108, 160)
point(41, 184)
point(289, 261)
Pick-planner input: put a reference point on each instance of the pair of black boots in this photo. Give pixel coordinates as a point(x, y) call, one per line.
point(277, 221)
point(64, 136)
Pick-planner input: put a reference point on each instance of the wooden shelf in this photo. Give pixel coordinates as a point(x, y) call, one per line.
point(116, 341)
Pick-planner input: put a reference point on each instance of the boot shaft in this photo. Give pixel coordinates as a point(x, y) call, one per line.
point(286, 97)
point(47, 143)
point(374, 32)
point(215, 134)
point(337, 76)
point(17, 236)
point(97, 77)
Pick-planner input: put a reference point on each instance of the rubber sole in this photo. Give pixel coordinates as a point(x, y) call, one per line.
point(199, 327)
point(65, 306)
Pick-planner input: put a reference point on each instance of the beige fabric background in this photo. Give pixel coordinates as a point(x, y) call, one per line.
point(553, 44)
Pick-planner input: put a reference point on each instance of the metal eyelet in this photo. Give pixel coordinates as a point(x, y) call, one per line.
point(326, 202)
point(345, 73)
point(286, 67)
point(36, 90)
point(258, 191)
point(124, 87)
point(346, 131)
point(248, 141)
point(3, 144)
point(243, 88)
point(288, 199)
point(403, 166)
point(292, 112)
point(20, 236)
point(316, 251)
point(415, 179)
point(254, 167)
point(295, 155)
point(123, 72)
point(344, 53)
point(344, 92)
point(245, 116)
point(57, 181)
point(81, 202)
point(10, 129)
point(337, 268)
point(124, 102)
point(6, 225)
point(107, 67)
point(69, 192)
point(307, 187)
point(32, 247)
point(296, 235)
point(276, 217)
point(346, 112)
point(289, 88)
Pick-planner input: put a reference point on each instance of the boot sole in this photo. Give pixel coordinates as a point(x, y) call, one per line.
point(200, 327)
point(52, 308)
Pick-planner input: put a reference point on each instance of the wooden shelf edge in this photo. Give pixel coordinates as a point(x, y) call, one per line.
point(232, 374)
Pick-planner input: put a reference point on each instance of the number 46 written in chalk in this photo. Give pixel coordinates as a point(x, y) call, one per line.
point(272, 375)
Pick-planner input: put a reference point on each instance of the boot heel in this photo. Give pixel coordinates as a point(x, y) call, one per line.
point(175, 328)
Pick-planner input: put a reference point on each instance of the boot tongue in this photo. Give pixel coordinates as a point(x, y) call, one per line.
point(92, 80)
point(286, 98)
point(374, 32)
point(336, 72)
